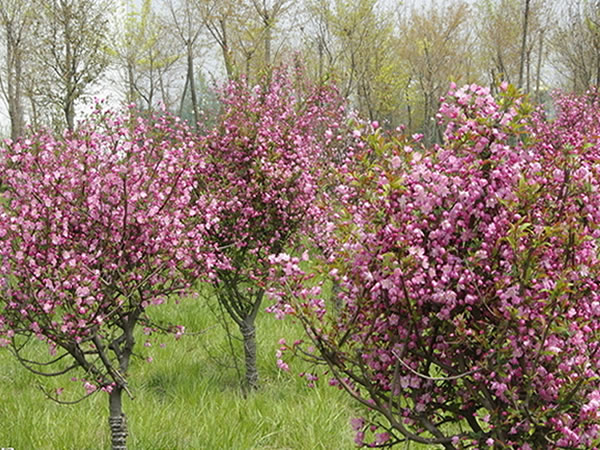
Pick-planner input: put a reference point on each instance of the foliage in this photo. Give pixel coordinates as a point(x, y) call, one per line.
point(260, 180)
point(263, 163)
point(69, 55)
point(466, 312)
point(92, 233)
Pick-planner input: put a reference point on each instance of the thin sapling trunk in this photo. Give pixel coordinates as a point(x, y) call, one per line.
point(117, 421)
point(243, 310)
point(248, 330)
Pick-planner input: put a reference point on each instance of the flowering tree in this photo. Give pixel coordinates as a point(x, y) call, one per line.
point(469, 276)
point(262, 172)
point(91, 234)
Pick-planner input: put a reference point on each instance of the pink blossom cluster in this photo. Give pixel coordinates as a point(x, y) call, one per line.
point(101, 223)
point(463, 279)
point(94, 228)
point(264, 168)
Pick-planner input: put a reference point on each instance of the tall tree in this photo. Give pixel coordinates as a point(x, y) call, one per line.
point(524, 42)
point(248, 33)
point(269, 12)
point(355, 44)
point(16, 19)
point(497, 32)
point(187, 30)
point(72, 37)
point(575, 44)
point(318, 38)
point(145, 55)
point(512, 37)
point(221, 19)
point(437, 50)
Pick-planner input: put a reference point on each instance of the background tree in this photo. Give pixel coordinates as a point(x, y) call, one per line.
point(221, 19)
point(437, 51)
point(524, 36)
point(269, 12)
point(186, 27)
point(250, 34)
point(318, 39)
point(71, 51)
point(356, 45)
point(146, 55)
point(498, 34)
point(16, 20)
point(575, 45)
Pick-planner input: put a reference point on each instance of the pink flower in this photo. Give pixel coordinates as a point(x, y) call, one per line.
point(357, 423)
point(89, 387)
point(282, 365)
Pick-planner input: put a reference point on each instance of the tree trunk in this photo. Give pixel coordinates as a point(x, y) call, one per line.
point(268, 39)
point(185, 87)
point(528, 77)
point(227, 54)
point(248, 330)
point(17, 117)
point(34, 111)
point(14, 78)
point(123, 350)
point(320, 48)
point(598, 67)
point(538, 70)
point(523, 44)
point(69, 76)
point(117, 421)
point(131, 81)
point(69, 109)
point(190, 77)
point(427, 129)
point(243, 309)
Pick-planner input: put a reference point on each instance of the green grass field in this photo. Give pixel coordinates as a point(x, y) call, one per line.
point(188, 397)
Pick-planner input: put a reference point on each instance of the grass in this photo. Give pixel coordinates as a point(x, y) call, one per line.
point(189, 397)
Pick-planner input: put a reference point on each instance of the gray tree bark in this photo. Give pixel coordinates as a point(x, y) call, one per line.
point(524, 44)
point(192, 84)
point(117, 420)
point(248, 330)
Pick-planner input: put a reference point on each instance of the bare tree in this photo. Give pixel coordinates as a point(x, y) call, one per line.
point(70, 53)
point(16, 19)
point(269, 12)
point(512, 37)
point(436, 49)
point(145, 53)
point(221, 19)
point(187, 30)
point(523, 42)
point(356, 45)
point(575, 45)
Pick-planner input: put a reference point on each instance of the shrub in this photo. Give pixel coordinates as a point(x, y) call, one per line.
point(92, 232)
point(468, 311)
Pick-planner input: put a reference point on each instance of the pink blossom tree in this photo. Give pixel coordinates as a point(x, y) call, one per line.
point(469, 280)
point(264, 163)
point(93, 232)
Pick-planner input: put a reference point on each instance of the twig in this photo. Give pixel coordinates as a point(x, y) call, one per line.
point(427, 377)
